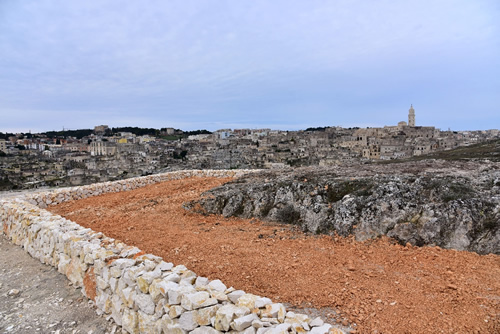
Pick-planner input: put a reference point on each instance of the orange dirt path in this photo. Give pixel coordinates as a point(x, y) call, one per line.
point(381, 286)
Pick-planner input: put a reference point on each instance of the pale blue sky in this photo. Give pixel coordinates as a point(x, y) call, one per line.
point(209, 64)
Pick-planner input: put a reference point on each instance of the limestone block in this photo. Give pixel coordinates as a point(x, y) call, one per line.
point(187, 320)
point(130, 321)
point(151, 275)
point(217, 285)
point(226, 314)
point(242, 323)
point(75, 272)
point(294, 318)
point(112, 284)
point(201, 283)
point(317, 322)
point(235, 295)
point(219, 295)
point(115, 272)
point(205, 330)
point(116, 309)
point(101, 283)
point(175, 329)
point(172, 277)
point(247, 300)
point(145, 303)
point(275, 310)
point(249, 330)
point(175, 311)
point(196, 300)
point(321, 329)
point(164, 266)
point(270, 321)
point(103, 302)
point(128, 296)
point(160, 307)
point(280, 329)
point(175, 294)
point(143, 284)
point(158, 289)
point(123, 263)
point(147, 324)
point(64, 261)
point(206, 314)
point(262, 302)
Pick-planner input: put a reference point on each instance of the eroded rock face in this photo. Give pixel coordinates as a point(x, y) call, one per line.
point(448, 204)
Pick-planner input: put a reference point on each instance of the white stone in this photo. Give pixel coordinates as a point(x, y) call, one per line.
point(145, 303)
point(262, 302)
point(101, 283)
point(275, 310)
point(151, 275)
point(249, 330)
point(205, 330)
point(217, 285)
point(175, 311)
point(321, 329)
point(317, 322)
point(130, 323)
point(160, 308)
point(201, 282)
point(294, 318)
point(193, 301)
point(175, 294)
point(247, 300)
point(187, 321)
point(165, 266)
point(233, 296)
point(226, 314)
point(206, 315)
point(147, 323)
point(123, 263)
point(172, 277)
point(244, 322)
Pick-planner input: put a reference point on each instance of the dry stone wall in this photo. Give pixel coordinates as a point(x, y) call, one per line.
point(141, 292)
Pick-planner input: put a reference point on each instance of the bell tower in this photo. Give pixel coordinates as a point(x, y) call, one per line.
point(411, 116)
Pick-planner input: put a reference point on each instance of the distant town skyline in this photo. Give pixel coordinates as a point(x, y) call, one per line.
point(209, 64)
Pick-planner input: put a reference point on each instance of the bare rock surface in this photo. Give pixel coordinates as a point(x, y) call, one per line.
point(453, 205)
point(35, 298)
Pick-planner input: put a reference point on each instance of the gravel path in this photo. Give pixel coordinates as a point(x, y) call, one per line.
point(35, 298)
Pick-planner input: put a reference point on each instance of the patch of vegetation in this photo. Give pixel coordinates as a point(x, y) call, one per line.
point(324, 229)
point(264, 210)
point(457, 191)
point(6, 184)
point(489, 150)
point(336, 192)
point(320, 129)
point(288, 215)
point(79, 134)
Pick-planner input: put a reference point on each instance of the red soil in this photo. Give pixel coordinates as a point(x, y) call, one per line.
point(380, 286)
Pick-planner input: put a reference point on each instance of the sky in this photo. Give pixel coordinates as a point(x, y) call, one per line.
point(281, 64)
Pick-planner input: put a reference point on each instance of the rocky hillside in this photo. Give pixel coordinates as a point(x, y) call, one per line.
point(448, 204)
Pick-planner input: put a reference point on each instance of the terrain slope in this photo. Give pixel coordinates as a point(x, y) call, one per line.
point(378, 286)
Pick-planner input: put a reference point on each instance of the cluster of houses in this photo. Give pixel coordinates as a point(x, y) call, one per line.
point(36, 161)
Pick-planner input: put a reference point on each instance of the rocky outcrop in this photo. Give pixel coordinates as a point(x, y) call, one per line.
point(448, 204)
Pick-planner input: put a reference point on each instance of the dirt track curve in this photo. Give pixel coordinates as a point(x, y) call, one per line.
point(380, 286)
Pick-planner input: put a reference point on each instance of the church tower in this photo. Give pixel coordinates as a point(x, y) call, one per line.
point(411, 116)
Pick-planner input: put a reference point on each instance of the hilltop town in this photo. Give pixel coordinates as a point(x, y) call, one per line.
point(69, 158)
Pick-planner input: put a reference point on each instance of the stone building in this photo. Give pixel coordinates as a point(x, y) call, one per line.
point(3, 145)
point(411, 116)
